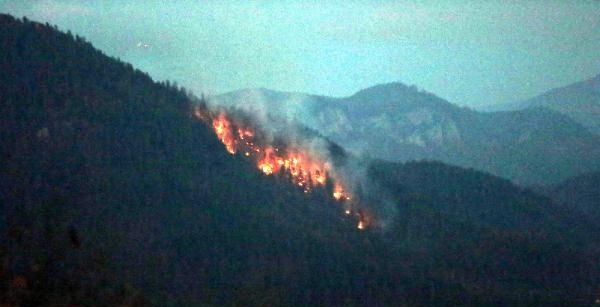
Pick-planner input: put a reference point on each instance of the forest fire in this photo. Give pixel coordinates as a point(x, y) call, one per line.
point(222, 128)
point(303, 169)
point(361, 225)
point(339, 193)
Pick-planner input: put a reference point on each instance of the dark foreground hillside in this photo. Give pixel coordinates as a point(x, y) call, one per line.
point(489, 236)
point(113, 195)
point(580, 193)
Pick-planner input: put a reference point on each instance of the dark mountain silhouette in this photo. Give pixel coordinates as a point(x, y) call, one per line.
point(579, 101)
point(581, 193)
point(401, 123)
point(494, 219)
point(112, 194)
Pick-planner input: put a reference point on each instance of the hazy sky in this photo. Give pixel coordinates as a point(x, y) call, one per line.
point(469, 52)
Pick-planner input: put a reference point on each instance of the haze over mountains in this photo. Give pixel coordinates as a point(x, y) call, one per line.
point(398, 122)
point(113, 194)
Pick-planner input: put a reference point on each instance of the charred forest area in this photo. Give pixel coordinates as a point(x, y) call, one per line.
point(113, 193)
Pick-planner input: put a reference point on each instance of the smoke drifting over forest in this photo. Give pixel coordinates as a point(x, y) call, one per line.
point(277, 144)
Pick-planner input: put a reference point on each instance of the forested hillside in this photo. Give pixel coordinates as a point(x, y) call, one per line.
point(581, 194)
point(113, 194)
point(488, 236)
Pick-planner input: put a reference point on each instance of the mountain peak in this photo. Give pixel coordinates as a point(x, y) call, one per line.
point(393, 88)
point(397, 93)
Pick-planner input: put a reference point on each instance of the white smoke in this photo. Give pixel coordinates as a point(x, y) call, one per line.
point(284, 118)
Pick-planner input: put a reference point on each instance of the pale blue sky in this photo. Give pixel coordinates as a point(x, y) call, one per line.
point(469, 52)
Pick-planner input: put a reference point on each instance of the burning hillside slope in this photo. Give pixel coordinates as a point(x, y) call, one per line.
point(277, 155)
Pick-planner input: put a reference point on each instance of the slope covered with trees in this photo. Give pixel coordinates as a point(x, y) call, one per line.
point(489, 236)
point(113, 194)
point(581, 193)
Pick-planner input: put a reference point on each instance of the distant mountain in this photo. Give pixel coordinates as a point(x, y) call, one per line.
point(579, 101)
point(112, 194)
point(398, 122)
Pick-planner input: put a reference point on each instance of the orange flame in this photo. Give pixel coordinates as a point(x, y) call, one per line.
point(361, 225)
point(222, 128)
point(305, 170)
point(364, 220)
point(339, 193)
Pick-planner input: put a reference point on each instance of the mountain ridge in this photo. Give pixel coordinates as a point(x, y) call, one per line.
point(579, 101)
point(398, 122)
